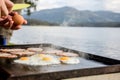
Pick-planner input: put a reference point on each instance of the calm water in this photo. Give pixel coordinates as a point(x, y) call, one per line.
point(101, 41)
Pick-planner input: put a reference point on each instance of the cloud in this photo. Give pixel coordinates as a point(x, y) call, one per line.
point(47, 4)
point(112, 5)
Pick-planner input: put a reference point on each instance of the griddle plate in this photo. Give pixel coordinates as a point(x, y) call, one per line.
point(89, 65)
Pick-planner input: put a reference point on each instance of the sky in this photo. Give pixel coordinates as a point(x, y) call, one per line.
point(111, 5)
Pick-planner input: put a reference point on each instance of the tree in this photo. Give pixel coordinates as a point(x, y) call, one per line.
point(32, 7)
point(31, 2)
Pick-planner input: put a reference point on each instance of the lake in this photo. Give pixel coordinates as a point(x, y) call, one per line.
point(101, 41)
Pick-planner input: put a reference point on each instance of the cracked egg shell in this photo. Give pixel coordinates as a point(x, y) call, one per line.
point(18, 19)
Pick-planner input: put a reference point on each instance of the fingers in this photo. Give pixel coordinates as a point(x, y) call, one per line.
point(13, 13)
point(9, 5)
point(6, 22)
point(25, 22)
point(8, 25)
point(6, 7)
point(0, 12)
point(3, 20)
point(14, 27)
point(4, 10)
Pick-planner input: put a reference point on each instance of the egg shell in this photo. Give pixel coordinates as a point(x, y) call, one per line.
point(18, 19)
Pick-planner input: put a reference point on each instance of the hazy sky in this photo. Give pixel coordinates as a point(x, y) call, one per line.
point(113, 5)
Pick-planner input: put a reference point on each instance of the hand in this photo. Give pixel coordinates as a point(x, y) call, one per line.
point(15, 25)
point(6, 19)
point(5, 9)
point(8, 23)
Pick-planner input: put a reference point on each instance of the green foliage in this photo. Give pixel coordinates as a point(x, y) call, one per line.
point(32, 7)
point(31, 2)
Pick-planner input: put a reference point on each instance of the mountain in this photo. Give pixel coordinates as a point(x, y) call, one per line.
point(72, 16)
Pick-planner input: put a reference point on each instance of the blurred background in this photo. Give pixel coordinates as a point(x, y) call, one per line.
point(86, 25)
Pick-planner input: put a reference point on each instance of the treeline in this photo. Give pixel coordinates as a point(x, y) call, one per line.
point(38, 22)
point(98, 24)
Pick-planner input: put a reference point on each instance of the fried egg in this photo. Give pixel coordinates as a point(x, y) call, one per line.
point(38, 59)
point(69, 60)
point(48, 59)
point(22, 60)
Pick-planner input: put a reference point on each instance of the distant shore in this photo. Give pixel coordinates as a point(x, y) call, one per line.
point(33, 22)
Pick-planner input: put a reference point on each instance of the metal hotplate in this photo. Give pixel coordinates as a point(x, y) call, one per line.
point(90, 64)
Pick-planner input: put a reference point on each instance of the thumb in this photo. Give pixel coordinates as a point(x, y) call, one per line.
point(9, 5)
point(4, 10)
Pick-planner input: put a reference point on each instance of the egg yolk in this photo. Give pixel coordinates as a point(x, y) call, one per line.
point(24, 58)
point(41, 55)
point(47, 59)
point(64, 58)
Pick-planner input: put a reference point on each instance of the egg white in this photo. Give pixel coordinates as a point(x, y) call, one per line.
point(38, 60)
point(71, 60)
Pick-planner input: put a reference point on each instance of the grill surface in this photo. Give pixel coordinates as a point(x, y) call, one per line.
point(89, 65)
